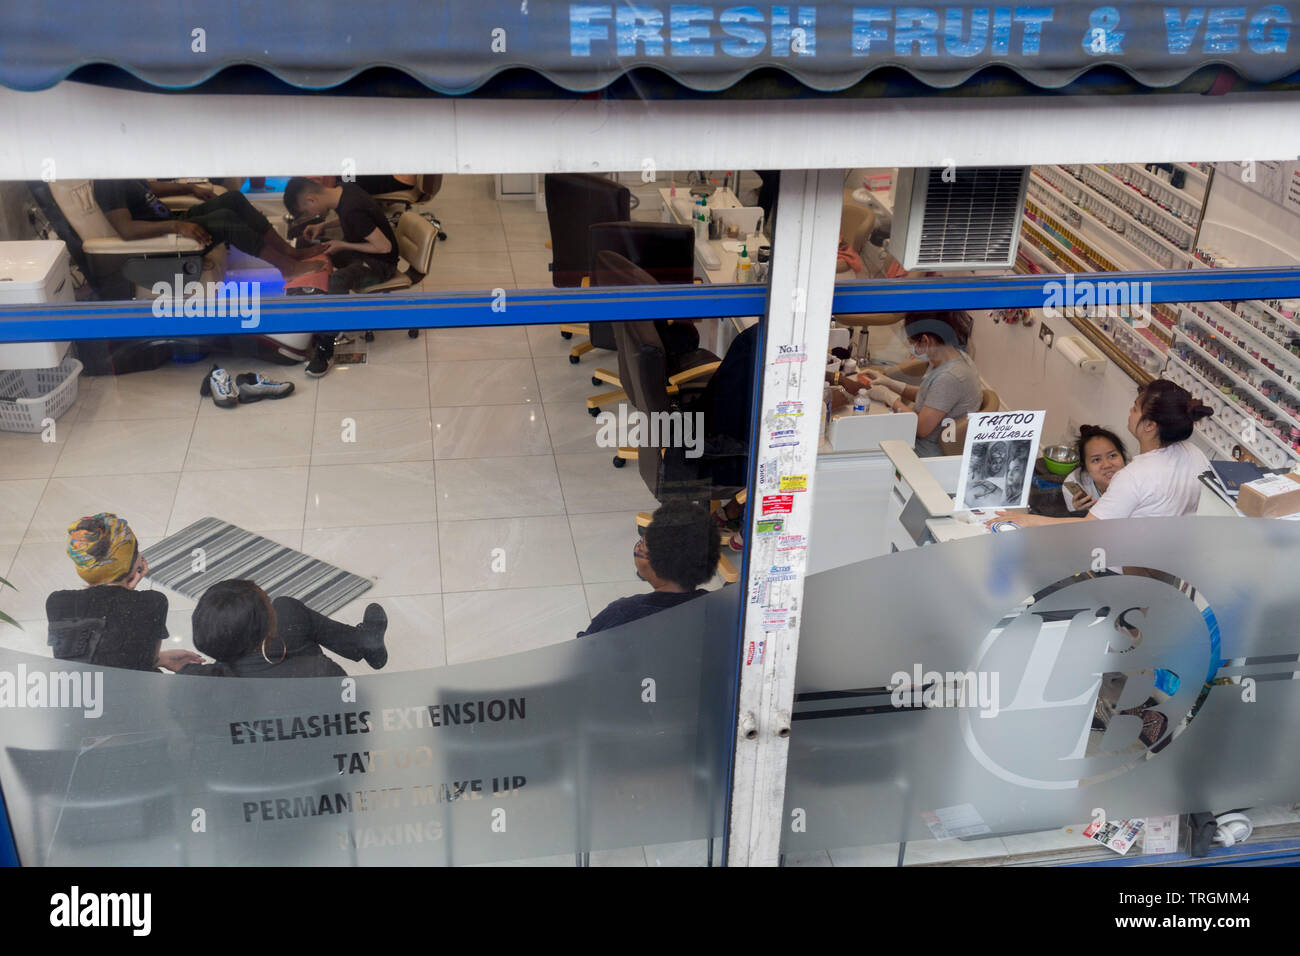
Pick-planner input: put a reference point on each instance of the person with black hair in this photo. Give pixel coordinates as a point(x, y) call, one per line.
point(236, 623)
point(1101, 455)
point(675, 555)
point(366, 255)
point(133, 209)
point(951, 387)
point(1163, 480)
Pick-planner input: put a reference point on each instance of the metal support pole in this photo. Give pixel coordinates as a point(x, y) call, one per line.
point(798, 328)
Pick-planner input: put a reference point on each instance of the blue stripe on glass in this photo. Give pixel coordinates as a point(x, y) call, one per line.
point(135, 319)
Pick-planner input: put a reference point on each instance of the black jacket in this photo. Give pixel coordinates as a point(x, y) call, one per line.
point(107, 626)
point(311, 662)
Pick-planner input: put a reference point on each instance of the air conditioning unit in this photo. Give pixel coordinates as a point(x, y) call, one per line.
point(970, 221)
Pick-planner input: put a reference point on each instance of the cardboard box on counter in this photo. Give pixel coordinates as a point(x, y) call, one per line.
point(1270, 497)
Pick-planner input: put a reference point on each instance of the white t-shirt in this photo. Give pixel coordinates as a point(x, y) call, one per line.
point(1164, 482)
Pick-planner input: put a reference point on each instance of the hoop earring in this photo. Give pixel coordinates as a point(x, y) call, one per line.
point(283, 652)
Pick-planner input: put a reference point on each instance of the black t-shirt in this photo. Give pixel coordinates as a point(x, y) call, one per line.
point(360, 215)
point(637, 606)
point(133, 195)
point(108, 626)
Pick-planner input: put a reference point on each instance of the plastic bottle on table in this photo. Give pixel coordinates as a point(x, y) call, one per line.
point(861, 402)
point(744, 268)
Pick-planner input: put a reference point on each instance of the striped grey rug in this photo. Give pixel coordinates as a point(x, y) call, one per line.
point(231, 552)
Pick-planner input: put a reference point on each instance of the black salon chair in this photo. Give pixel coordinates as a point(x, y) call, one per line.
point(644, 370)
point(574, 203)
point(665, 252)
point(111, 791)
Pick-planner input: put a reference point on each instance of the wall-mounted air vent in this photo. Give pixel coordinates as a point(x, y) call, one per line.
point(970, 222)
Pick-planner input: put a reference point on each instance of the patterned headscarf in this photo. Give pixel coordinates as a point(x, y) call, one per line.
point(102, 547)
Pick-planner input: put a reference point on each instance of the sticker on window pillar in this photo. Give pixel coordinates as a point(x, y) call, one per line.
point(784, 438)
point(794, 483)
point(770, 526)
point(791, 542)
point(781, 572)
point(789, 409)
point(778, 504)
point(776, 619)
point(790, 353)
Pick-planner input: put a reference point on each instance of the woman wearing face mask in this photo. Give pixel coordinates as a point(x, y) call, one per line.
point(1101, 456)
point(951, 387)
point(1164, 479)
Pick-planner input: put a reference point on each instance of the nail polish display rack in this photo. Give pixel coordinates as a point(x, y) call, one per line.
point(1049, 245)
point(1243, 359)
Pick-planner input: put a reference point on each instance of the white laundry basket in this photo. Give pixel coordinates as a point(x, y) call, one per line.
point(31, 395)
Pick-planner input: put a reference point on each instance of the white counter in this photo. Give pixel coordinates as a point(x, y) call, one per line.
point(677, 209)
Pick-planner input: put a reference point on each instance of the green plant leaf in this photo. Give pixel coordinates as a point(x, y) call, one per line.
point(5, 617)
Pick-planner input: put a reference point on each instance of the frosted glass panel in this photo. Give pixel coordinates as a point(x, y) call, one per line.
point(1046, 673)
point(620, 739)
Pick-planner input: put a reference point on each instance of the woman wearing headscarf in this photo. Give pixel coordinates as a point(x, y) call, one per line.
point(109, 622)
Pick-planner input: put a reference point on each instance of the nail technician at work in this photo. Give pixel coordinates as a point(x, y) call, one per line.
point(1163, 480)
point(951, 387)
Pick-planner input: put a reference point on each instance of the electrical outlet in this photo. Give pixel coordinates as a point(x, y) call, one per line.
point(1046, 335)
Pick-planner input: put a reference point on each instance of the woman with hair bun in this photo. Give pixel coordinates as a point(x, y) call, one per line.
point(1101, 455)
point(1163, 479)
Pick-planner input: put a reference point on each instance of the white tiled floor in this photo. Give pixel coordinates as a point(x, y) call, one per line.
point(410, 469)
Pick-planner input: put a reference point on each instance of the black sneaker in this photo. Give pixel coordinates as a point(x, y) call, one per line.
point(372, 627)
point(320, 363)
point(254, 386)
point(217, 383)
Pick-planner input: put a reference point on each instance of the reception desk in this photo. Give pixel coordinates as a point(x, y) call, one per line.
point(853, 485)
point(920, 504)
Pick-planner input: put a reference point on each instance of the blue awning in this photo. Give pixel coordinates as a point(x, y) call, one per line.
point(454, 47)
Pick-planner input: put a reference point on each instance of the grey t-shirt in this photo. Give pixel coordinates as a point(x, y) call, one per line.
point(953, 388)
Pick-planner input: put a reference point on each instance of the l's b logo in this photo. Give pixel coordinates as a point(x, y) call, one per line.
point(1104, 670)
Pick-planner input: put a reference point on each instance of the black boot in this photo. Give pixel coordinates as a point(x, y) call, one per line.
point(372, 627)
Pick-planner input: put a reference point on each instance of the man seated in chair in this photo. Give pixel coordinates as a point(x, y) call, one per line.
point(133, 208)
point(367, 253)
point(675, 555)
